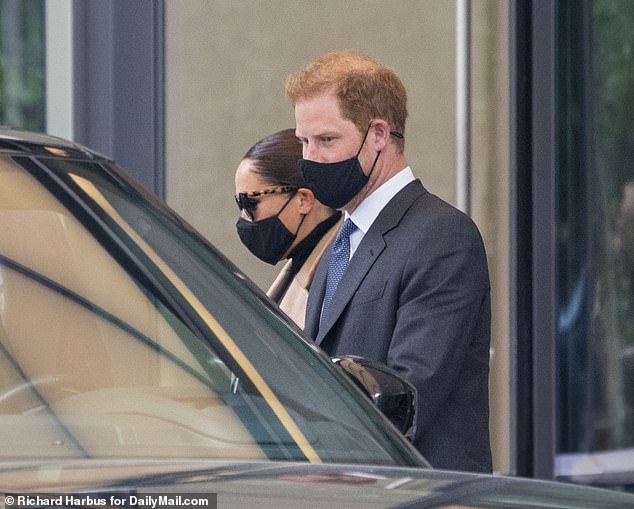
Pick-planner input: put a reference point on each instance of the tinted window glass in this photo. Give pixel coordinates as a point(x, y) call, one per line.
point(124, 334)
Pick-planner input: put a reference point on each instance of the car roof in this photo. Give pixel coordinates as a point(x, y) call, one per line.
point(25, 142)
point(275, 484)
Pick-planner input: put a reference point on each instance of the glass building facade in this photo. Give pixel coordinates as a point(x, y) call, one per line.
point(22, 64)
point(595, 228)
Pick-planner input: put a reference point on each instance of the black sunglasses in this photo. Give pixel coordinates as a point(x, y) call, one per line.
point(246, 202)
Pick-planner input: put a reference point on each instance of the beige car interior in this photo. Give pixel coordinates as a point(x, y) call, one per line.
point(73, 380)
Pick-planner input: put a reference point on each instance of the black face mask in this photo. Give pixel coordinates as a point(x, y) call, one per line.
point(335, 184)
point(267, 239)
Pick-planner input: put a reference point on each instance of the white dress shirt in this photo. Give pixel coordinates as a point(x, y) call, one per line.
point(369, 209)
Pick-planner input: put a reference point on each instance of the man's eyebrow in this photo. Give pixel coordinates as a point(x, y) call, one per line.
point(321, 134)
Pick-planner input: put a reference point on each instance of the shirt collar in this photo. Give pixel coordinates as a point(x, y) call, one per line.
point(369, 209)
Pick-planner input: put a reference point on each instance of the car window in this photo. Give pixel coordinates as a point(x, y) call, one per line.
point(122, 333)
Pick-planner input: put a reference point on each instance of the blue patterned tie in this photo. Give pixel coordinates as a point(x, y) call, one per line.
point(339, 257)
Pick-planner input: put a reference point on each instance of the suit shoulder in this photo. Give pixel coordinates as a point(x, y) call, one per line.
point(431, 211)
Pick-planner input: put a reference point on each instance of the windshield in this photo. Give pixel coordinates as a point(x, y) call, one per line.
point(123, 334)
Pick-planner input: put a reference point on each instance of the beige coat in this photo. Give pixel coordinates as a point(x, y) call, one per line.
point(294, 301)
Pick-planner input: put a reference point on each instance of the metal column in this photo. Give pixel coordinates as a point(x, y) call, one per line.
point(463, 105)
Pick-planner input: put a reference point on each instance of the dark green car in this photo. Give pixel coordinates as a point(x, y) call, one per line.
point(135, 358)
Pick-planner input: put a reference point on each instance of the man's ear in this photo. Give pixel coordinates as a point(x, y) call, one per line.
point(306, 200)
point(380, 133)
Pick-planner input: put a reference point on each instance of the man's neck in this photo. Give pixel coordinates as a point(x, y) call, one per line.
point(380, 176)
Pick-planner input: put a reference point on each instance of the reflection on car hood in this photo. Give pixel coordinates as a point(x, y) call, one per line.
point(281, 485)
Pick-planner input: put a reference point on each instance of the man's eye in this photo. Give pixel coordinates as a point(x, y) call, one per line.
point(327, 139)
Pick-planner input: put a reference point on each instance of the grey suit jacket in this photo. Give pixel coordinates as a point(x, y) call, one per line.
point(416, 296)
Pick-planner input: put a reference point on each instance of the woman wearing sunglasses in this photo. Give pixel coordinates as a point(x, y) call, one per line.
point(281, 219)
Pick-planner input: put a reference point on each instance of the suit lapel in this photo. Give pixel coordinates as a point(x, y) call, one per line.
point(316, 296)
point(367, 253)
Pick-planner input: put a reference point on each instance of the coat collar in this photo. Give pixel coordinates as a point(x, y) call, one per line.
point(306, 273)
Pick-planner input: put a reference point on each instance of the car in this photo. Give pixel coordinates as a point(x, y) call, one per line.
point(136, 360)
